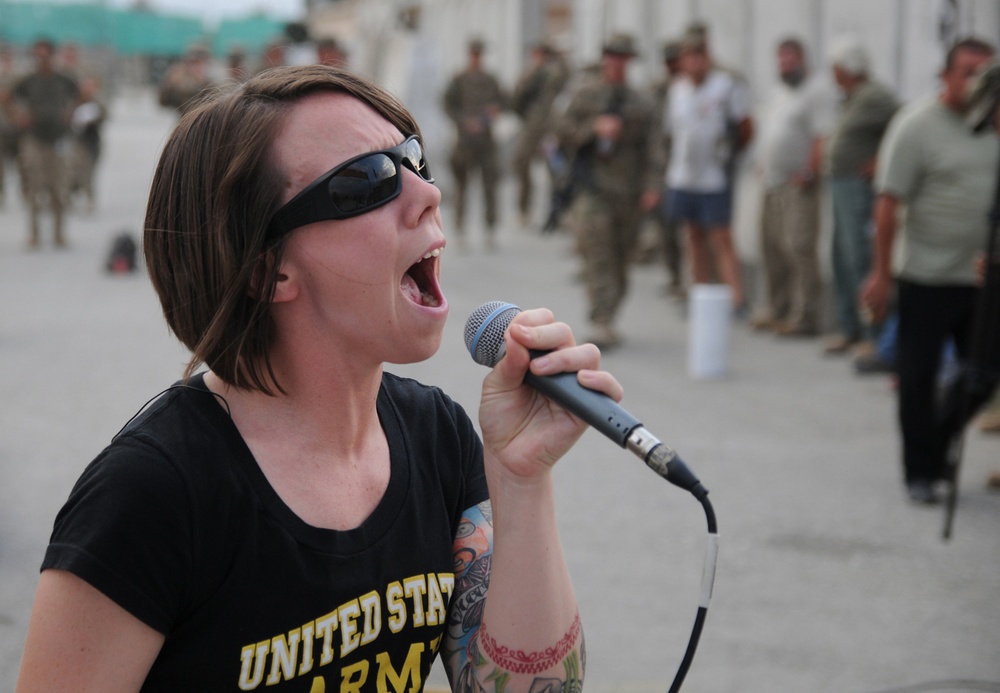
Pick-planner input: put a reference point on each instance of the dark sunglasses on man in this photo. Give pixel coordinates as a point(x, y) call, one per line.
point(356, 186)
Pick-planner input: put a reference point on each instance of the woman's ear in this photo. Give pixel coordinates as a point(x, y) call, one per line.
point(285, 288)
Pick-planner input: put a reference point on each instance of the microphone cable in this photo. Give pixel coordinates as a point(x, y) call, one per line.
point(667, 464)
point(707, 582)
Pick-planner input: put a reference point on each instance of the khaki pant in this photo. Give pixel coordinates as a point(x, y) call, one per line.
point(525, 152)
point(46, 172)
point(473, 153)
point(789, 230)
point(606, 231)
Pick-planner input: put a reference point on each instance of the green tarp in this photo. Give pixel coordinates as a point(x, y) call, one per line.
point(129, 32)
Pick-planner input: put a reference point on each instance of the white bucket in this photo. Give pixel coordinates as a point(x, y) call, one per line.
point(710, 309)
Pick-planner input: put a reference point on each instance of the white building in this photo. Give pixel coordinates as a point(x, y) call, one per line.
point(413, 46)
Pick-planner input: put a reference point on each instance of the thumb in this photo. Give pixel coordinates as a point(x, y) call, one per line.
point(510, 370)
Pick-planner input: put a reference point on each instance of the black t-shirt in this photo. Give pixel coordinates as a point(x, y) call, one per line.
point(175, 522)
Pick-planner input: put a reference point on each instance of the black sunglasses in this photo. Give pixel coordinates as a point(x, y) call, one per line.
point(356, 186)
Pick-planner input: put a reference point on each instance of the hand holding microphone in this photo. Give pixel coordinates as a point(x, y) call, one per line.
point(496, 337)
point(489, 341)
point(524, 428)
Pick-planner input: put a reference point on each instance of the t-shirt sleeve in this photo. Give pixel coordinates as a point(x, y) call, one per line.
point(899, 159)
point(126, 530)
point(468, 448)
point(476, 490)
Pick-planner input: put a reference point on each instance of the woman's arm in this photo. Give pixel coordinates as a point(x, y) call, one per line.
point(529, 634)
point(473, 553)
point(80, 641)
point(468, 667)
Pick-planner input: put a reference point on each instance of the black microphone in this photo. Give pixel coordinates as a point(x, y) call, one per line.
point(484, 332)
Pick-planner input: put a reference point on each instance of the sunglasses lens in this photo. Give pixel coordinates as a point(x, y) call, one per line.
point(414, 155)
point(366, 183)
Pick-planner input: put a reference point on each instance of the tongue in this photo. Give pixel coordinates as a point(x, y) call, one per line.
point(410, 288)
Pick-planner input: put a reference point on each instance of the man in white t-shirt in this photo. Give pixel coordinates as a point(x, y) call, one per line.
point(708, 122)
point(798, 114)
point(935, 167)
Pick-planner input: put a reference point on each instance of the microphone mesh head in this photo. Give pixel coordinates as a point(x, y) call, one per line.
point(484, 331)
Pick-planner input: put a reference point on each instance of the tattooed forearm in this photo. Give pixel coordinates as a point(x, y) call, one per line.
point(475, 661)
point(520, 662)
point(503, 663)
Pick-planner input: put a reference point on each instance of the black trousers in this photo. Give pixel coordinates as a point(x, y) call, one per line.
point(928, 316)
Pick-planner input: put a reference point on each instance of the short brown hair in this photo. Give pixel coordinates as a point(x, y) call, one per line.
point(213, 194)
point(973, 45)
point(793, 44)
point(693, 43)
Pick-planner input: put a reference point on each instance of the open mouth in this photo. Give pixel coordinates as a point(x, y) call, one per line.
point(420, 284)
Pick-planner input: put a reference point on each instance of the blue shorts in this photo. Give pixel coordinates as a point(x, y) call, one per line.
point(707, 210)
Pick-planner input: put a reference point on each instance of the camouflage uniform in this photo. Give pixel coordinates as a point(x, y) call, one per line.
point(185, 81)
point(48, 99)
point(532, 100)
point(605, 213)
point(472, 100)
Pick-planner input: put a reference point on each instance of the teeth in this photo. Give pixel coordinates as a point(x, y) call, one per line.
point(434, 253)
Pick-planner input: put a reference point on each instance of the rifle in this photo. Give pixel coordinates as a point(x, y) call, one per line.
point(572, 178)
point(978, 377)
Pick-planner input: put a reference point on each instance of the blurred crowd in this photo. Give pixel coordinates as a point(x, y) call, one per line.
point(639, 172)
point(910, 189)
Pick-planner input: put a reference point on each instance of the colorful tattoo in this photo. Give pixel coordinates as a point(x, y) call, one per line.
point(520, 662)
point(467, 644)
point(473, 554)
point(472, 541)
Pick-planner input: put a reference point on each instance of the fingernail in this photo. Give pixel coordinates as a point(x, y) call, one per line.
point(541, 362)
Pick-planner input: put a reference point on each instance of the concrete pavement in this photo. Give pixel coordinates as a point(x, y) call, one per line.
point(828, 580)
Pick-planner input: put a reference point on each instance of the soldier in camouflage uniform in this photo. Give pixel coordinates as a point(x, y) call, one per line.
point(41, 105)
point(186, 80)
point(607, 131)
point(532, 100)
point(473, 100)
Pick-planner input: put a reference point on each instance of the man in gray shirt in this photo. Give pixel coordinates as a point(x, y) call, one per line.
point(850, 163)
point(932, 164)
